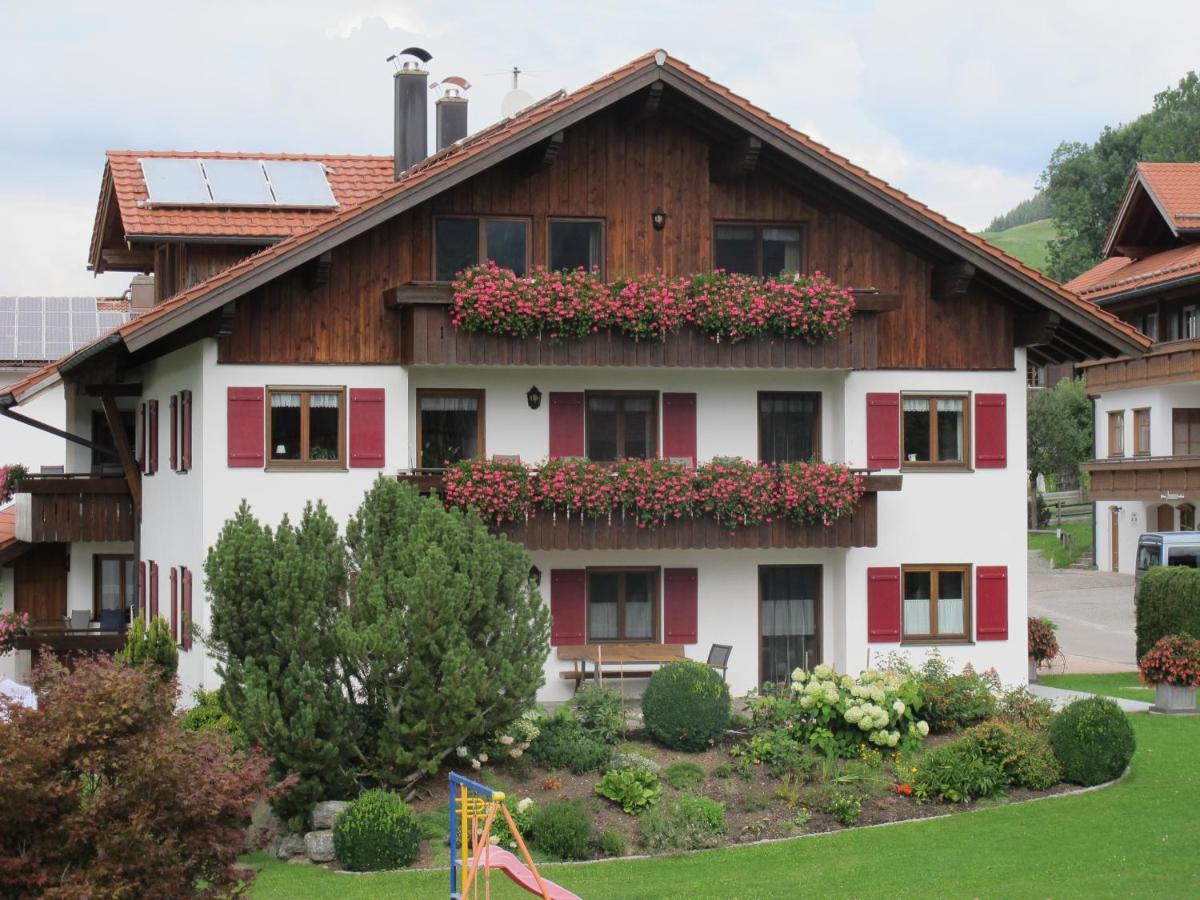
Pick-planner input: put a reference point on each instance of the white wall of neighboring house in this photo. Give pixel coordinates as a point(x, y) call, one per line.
point(21, 443)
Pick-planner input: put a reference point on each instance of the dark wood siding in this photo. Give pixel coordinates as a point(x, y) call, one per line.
point(40, 585)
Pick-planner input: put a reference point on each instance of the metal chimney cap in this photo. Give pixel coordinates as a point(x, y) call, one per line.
point(660, 57)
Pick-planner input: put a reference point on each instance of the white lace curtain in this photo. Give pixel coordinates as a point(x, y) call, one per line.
point(787, 618)
point(285, 401)
point(449, 404)
point(790, 238)
point(322, 401)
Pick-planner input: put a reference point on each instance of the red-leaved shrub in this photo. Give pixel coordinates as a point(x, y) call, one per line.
point(106, 795)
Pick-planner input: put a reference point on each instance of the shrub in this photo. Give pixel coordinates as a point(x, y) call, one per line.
point(957, 701)
point(590, 755)
point(556, 740)
point(207, 715)
point(722, 770)
point(612, 843)
point(845, 807)
point(522, 814)
point(1021, 705)
point(105, 795)
point(152, 646)
point(376, 831)
point(684, 775)
point(1093, 740)
point(434, 827)
point(1167, 602)
point(601, 712)
point(1043, 645)
point(634, 790)
point(957, 772)
point(689, 823)
point(633, 760)
point(1023, 755)
point(562, 829)
point(1174, 659)
point(686, 705)
point(780, 752)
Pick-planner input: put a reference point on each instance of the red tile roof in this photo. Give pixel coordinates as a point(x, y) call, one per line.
point(1176, 187)
point(1120, 274)
point(8, 526)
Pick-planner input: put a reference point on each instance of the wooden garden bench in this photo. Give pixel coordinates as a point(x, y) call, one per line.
point(622, 660)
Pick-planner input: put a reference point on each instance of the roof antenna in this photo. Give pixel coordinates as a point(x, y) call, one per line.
point(516, 99)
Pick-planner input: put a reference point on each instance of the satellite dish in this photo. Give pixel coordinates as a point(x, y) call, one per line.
point(515, 101)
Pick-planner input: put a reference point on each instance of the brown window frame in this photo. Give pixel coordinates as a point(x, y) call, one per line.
point(758, 225)
point(819, 634)
point(1187, 516)
point(551, 221)
point(1116, 434)
point(481, 248)
point(481, 418)
point(304, 463)
point(655, 604)
point(934, 635)
point(933, 463)
point(1187, 448)
point(819, 418)
point(1141, 421)
point(655, 425)
point(97, 563)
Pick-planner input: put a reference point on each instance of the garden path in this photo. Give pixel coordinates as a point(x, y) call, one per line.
point(1060, 697)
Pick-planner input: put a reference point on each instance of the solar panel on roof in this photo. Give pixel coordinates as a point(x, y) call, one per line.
point(237, 182)
point(33, 329)
point(176, 182)
point(299, 183)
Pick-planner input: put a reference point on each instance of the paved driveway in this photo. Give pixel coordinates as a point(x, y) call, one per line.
point(1094, 612)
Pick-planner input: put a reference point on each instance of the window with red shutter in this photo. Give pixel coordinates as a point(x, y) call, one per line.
point(883, 604)
point(245, 427)
point(152, 417)
point(175, 604)
point(367, 432)
point(680, 591)
point(679, 427)
point(883, 431)
point(153, 589)
point(567, 607)
point(991, 431)
point(185, 436)
point(174, 432)
point(566, 425)
point(186, 623)
point(142, 430)
point(991, 603)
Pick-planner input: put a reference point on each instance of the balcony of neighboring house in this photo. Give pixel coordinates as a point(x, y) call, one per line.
point(1151, 479)
point(68, 508)
point(1167, 362)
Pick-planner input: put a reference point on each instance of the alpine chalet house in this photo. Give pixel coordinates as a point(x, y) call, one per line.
point(535, 307)
point(1146, 475)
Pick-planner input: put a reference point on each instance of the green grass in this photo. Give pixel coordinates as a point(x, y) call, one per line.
point(1134, 839)
point(1126, 685)
point(1026, 242)
point(1052, 549)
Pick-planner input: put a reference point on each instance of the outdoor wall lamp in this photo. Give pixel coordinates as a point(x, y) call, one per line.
point(534, 397)
point(659, 219)
point(535, 575)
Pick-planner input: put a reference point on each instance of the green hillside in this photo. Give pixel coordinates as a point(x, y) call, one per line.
point(1026, 242)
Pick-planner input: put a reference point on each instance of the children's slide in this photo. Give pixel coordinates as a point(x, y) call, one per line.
point(517, 872)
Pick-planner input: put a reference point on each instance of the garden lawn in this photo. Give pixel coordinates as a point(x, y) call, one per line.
point(1126, 685)
point(1137, 838)
point(1052, 549)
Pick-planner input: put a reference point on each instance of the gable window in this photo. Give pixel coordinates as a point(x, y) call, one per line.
point(462, 241)
point(1185, 428)
point(622, 604)
point(1149, 325)
point(789, 426)
point(576, 244)
point(449, 426)
point(621, 426)
point(306, 427)
point(114, 584)
point(934, 430)
point(764, 250)
point(1116, 433)
point(936, 602)
point(1190, 322)
point(1141, 432)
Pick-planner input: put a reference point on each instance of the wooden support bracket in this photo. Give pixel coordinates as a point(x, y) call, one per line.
point(735, 160)
point(133, 475)
point(951, 280)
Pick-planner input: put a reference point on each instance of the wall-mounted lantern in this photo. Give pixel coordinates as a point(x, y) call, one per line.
point(658, 219)
point(534, 397)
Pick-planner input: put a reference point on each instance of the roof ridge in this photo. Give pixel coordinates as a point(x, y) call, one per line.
point(244, 154)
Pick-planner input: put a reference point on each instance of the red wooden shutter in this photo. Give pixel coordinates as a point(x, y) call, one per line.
point(153, 589)
point(679, 605)
point(679, 427)
point(175, 604)
point(883, 431)
point(366, 428)
point(991, 431)
point(991, 603)
point(141, 589)
point(141, 438)
point(245, 437)
point(186, 624)
point(883, 604)
point(185, 451)
point(152, 415)
point(174, 432)
point(566, 425)
point(567, 606)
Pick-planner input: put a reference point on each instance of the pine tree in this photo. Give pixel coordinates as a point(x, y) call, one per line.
point(150, 646)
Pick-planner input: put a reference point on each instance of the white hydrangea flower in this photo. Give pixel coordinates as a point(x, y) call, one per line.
point(923, 727)
point(893, 739)
point(516, 752)
point(462, 752)
point(824, 671)
point(483, 757)
point(898, 706)
point(806, 702)
point(506, 739)
point(847, 682)
point(524, 804)
point(475, 764)
point(854, 714)
point(878, 694)
point(799, 675)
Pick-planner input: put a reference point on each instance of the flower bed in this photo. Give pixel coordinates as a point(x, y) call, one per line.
point(651, 306)
point(736, 492)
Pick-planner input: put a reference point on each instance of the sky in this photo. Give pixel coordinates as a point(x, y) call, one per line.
point(959, 103)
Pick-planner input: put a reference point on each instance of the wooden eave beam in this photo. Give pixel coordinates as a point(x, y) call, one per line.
point(120, 389)
point(133, 475)
point(125, 260)
point(951, 280)
point(647, 105)
point(429, 293)
point(1033, 329)
point(57, 432)
point(316, 273)
point(543, 155)
point(874, 302)
point(734, 160)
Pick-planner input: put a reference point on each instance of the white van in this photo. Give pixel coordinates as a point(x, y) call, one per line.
point(1167, 548)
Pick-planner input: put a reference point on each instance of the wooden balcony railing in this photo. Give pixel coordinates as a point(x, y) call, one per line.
point(549, 532)
point(427, 338)
point(63, 642)
point(65, 508)
point(1148, 478)
point(1169, 362)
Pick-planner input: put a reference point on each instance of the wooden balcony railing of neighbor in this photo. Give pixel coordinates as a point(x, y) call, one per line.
point(65, 508)
point(549, 532)
point(1170, 362)
point(1149, 478)
point(427, 338)
point(64, 642)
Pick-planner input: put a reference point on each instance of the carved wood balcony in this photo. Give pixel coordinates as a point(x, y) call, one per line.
point(66, 508)
point(1149, 478)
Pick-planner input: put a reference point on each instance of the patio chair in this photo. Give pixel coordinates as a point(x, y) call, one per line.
point(81, 620)
point(718, 658)
point(112, 620)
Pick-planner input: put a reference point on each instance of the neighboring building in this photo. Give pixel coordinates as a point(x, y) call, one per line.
point(1146, 475)
point(328, 359)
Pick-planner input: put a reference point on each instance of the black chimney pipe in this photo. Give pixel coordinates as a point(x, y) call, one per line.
point(451, 120)
point(412, 110)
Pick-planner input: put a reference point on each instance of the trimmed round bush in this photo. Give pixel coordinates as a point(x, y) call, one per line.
point(563, 829)
point(686, 705)
point(1093, 740)
point(376, 831)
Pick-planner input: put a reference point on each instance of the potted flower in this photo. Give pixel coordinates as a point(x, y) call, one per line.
point(12, 626)
point(1043, 645)
point(1173, 666)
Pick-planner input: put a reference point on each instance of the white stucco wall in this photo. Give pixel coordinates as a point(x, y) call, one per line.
point(21, 443)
